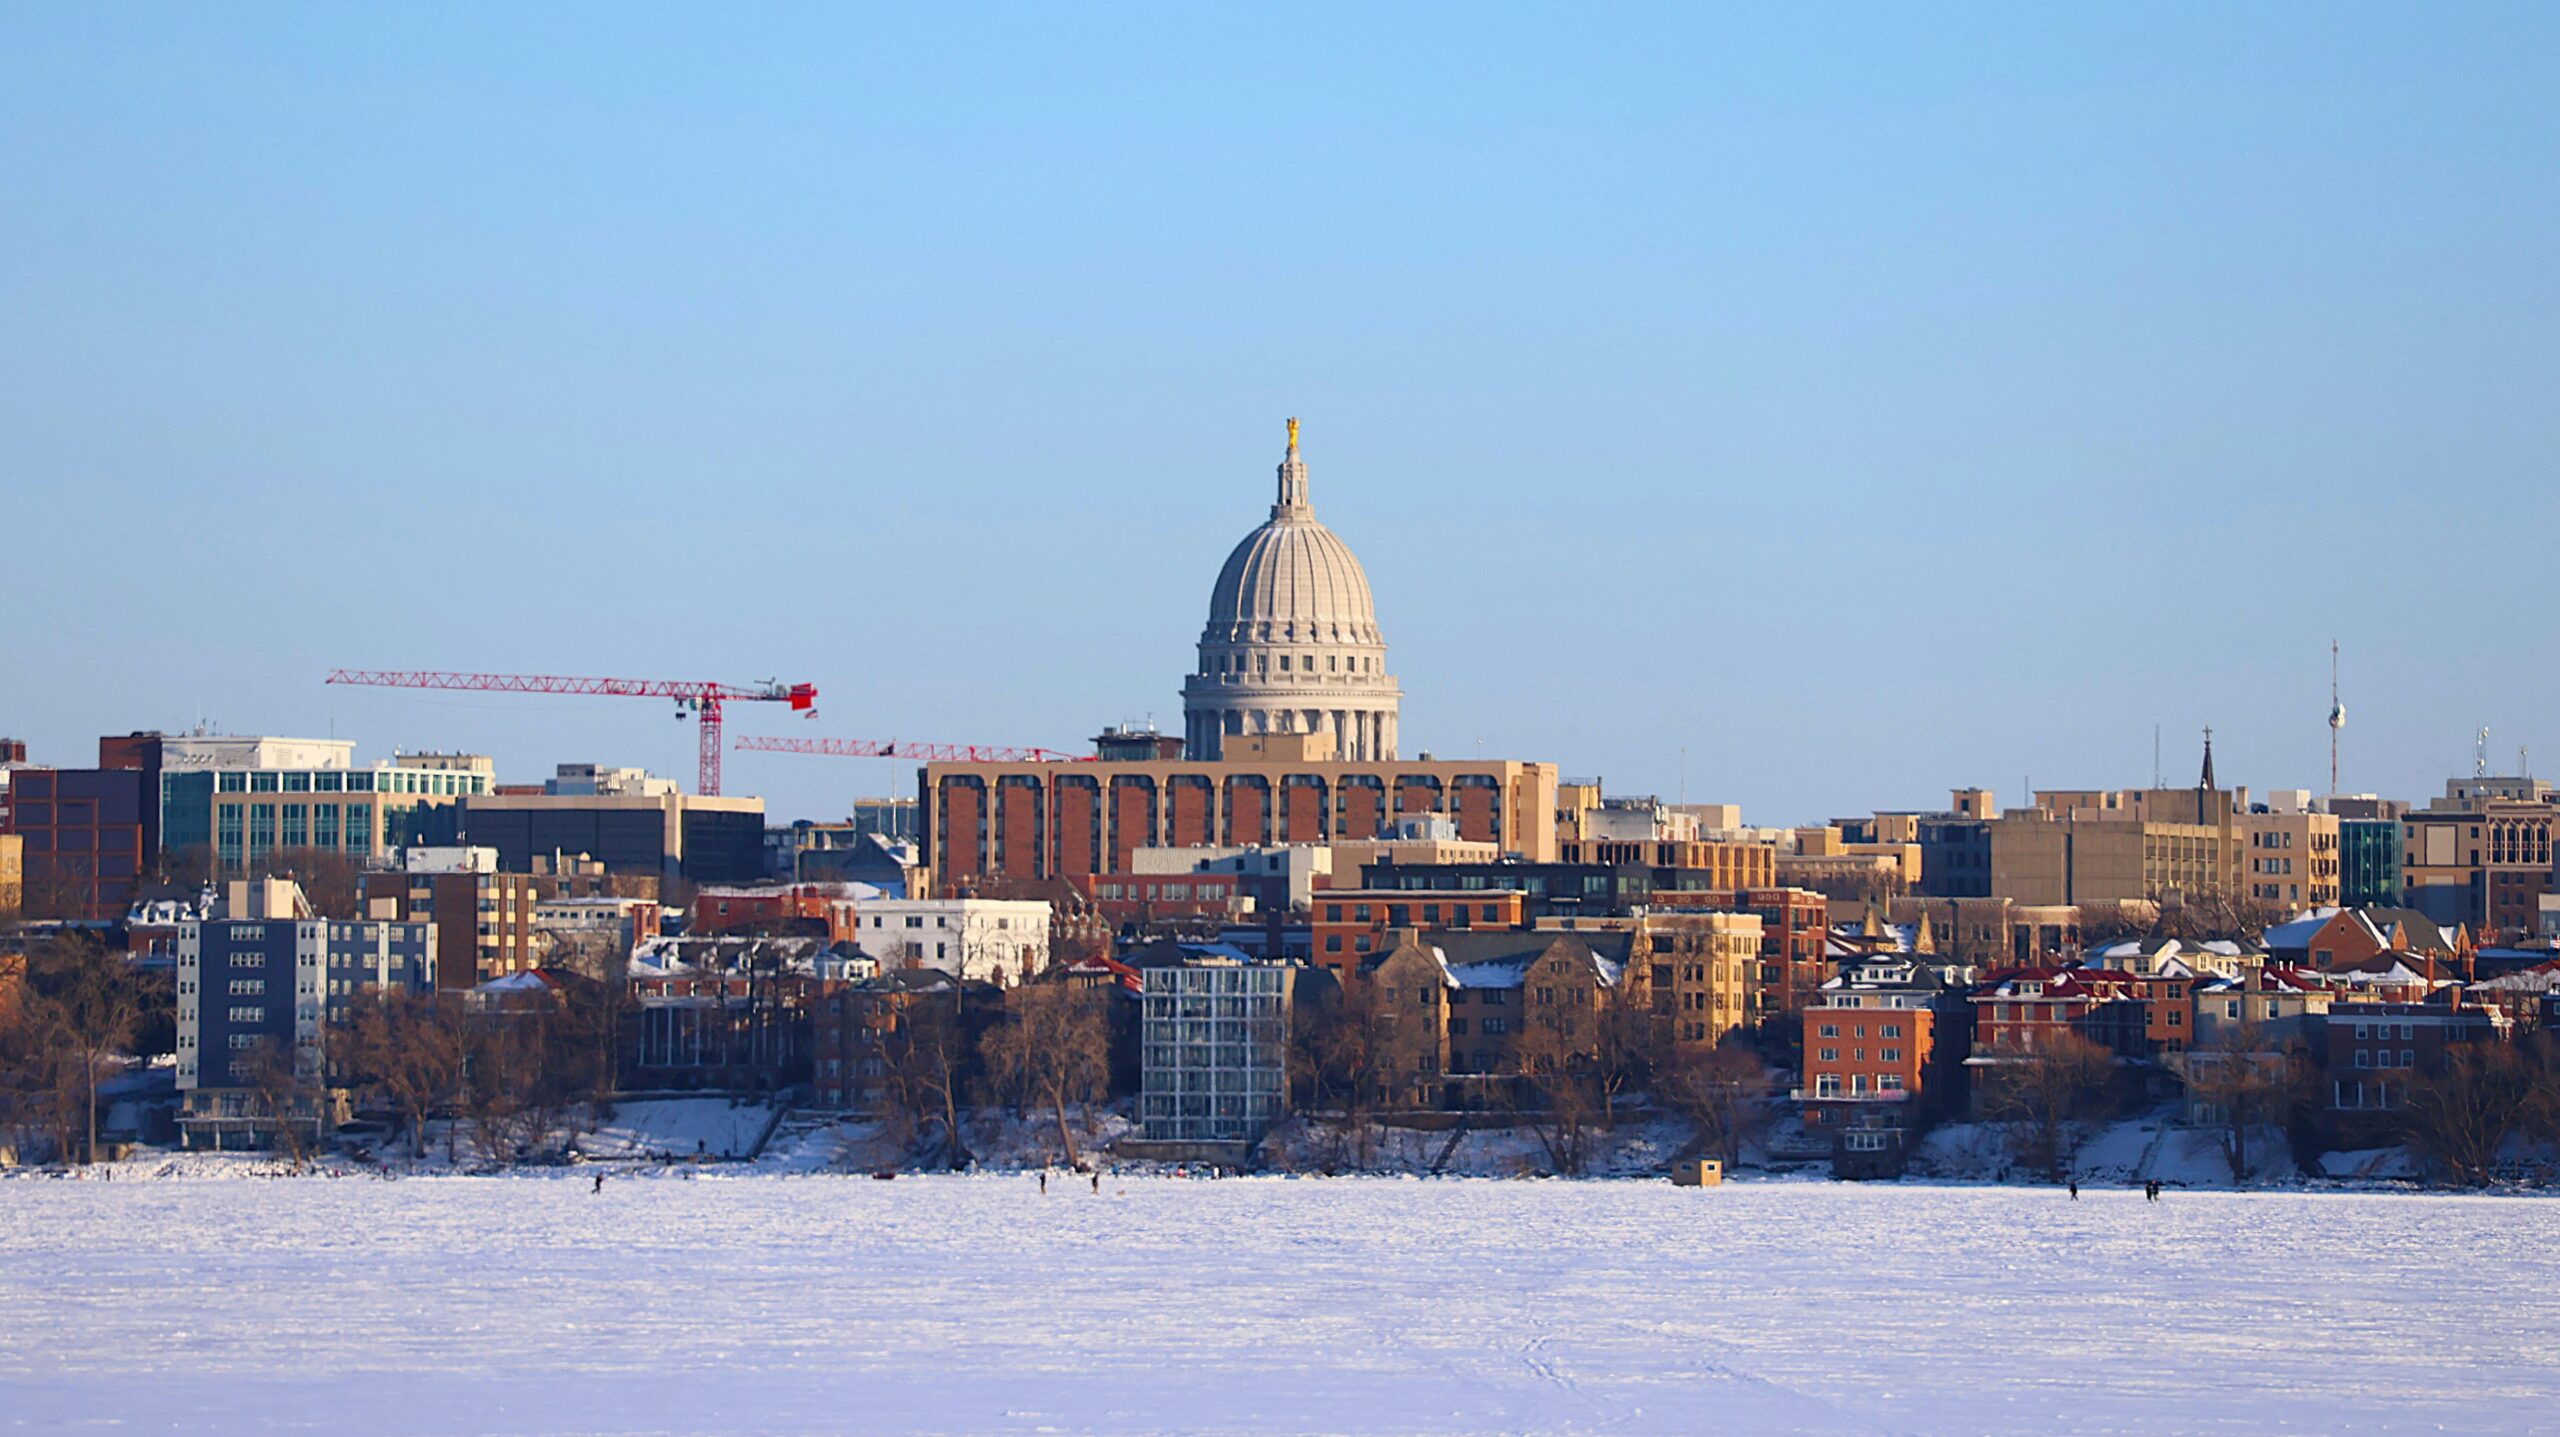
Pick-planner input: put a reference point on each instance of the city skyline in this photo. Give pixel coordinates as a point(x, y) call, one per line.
point(1986, 393)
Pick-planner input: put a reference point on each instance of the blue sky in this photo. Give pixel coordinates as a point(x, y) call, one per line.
point(1814, 407)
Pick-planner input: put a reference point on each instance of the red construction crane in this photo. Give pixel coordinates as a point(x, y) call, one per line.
point(703, 700)
point(892, 748)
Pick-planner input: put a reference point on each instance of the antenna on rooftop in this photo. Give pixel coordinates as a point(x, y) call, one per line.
point(2480, 757)
point(2337, 718)
point(2155, 755)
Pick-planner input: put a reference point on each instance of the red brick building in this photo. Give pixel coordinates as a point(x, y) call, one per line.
point(2374, 1049)
point(1351, 924)
point(2026, 1010)
point(83, 832)
point(766, 906)
point(1125, 898)
point(1887, 1033)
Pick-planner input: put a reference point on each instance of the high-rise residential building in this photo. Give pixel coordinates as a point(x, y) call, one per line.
point(1292, 642)
point(1214, 1050)
point(265, 977)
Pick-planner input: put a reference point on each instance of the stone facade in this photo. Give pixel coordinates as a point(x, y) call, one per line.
point(1292, 643)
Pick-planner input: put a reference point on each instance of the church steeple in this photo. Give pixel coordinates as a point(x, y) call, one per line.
point(2206, 782)
point(1293, 482)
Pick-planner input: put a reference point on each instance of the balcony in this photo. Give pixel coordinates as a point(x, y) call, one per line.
point(1805, 1095)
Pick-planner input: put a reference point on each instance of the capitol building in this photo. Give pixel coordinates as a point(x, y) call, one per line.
point(1292, 643)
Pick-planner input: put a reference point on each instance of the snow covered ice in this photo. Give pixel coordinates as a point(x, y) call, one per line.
point(764, 1303)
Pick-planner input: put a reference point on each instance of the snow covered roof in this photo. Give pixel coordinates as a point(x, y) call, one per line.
point(2296, 932)
point(700, 953)
point(1486, 973)
point(526, 982)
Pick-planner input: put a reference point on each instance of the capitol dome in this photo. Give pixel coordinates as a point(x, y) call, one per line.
point(1291, 579)
point(1292, 643)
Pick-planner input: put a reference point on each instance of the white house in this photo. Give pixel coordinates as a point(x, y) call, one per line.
point(994, 940)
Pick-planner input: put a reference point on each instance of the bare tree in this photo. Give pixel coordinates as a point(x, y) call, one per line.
point(54, 887)
point(1338, 1051)
point(1724, 1093)
point(1630, 1044)
point(97, 1000)
point(42, 1093)
point(2455, 1119)
point(332, 882)
point(2243, 1083)
point(2043, 1092)
point(502, 1068)
point(1054, 1045)
point(925, 1058)
point(408, 1050)
point(284, 1094)
point(1557, 1094)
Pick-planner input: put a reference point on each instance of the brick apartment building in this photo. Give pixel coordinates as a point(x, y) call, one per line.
point(769, 906)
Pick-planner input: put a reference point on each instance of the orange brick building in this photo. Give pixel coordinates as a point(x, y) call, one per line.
point(1079, 819)
point(1350, 924)
point(723, 910)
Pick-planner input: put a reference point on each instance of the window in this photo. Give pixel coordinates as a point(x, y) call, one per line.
point(1889, 1055)
point(1829, 1055)
point(2363, 1059)
point(1830, 1030)
point(2362, 1031)
point(248, 1015)
point(1495, 1026)
point(2408, 1057)
point(1891, 1030)
point(1826, 1085)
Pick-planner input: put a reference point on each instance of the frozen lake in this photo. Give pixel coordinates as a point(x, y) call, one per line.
point(826, 1304)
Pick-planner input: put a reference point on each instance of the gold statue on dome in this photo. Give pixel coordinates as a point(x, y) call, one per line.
point(1293, 431)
